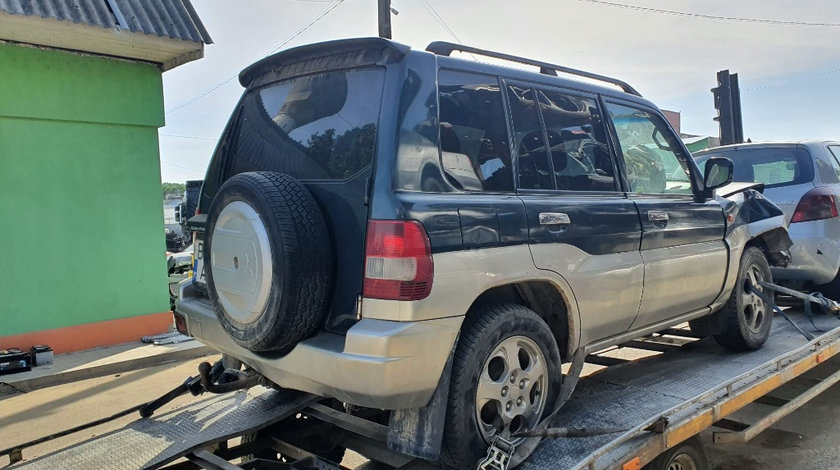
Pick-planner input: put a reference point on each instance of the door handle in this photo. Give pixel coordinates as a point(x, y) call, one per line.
point(657, 216)
point(554, 218)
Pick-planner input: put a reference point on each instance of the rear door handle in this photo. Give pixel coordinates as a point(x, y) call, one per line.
point(554, 218)
point(657, 216)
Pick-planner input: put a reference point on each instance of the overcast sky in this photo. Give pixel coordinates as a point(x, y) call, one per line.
point(789, 73)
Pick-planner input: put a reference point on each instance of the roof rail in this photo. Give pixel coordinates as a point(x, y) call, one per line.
point(445, 48)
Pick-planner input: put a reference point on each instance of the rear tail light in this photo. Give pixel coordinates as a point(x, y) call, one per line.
point(816, 204)
point(180, 323)
point(398, 261)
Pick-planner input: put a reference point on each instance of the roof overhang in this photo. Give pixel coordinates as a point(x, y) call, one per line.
point(166, 52)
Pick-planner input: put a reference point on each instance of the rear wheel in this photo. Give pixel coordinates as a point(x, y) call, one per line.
point(746, 318)
point(505, 375)
point(689, 455)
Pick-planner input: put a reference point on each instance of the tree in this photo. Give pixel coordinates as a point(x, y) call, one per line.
point(173, 189)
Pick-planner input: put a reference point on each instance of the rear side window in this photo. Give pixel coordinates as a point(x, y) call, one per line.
point(475, 153)
point(577, 141)
point(534, 169)
point(572, 154)
point(772, 166)
point(317, 127)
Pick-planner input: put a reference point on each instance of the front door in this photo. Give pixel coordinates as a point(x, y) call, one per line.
point(684, 254)
point(580, 225)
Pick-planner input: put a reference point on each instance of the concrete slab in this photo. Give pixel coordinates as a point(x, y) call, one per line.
point(99, 362)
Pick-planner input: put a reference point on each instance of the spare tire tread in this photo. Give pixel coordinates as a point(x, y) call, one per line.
point(301, 252)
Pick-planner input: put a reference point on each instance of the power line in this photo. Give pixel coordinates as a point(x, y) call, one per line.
point(307, 26)
point(431, 10)
point(188, 137)
point(179, 166)
point(789, 80)
point(710, 17)
point(231, 77)
point(434, 14)
point(777, 83)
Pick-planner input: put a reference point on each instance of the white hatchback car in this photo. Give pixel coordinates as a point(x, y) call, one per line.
point(803, 179)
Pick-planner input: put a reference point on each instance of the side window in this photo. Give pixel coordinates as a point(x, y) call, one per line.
point(835, 159)
point(473, 132)
point(652, 156)
point(534, 169)
point(577, 142)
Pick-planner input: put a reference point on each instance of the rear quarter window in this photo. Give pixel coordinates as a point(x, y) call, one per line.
point(774, 167)
point(474, 145)
point(317, 127)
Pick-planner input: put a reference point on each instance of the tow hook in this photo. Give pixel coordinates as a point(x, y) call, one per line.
point(213, 379)
point(228, 380)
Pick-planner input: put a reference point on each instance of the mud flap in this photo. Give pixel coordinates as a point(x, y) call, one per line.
point(418, 432)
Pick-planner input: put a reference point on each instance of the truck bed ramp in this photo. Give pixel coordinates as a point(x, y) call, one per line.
point(150, 443)
point(675, 395)
point(652, 404)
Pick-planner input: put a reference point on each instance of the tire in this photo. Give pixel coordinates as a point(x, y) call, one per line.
point(488, 335)
point(282, 291)
point(689, 455)
point(745, 320)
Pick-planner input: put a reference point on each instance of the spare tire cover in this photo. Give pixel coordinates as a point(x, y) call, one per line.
point(269, 261)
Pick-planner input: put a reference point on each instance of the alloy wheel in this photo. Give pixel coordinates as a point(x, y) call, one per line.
point(754, 308)
point(511, 393)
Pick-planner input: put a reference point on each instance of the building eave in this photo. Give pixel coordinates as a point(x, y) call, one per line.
point(168, 53)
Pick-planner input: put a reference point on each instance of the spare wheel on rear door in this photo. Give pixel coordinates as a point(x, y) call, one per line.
point(270, 263)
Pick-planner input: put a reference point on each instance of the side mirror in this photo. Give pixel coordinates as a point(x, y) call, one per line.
point(719, 173)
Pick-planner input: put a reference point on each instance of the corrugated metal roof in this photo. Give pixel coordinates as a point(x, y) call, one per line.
point(174, 19)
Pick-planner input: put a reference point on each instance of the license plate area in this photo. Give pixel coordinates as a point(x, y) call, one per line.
point(198, 268)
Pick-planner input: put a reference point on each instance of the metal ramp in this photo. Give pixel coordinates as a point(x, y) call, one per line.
point(656, 402)
point(150, 443)
point(680, 392)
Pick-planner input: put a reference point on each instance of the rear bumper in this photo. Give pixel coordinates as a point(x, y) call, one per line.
point(378, 364)
point(815, 254)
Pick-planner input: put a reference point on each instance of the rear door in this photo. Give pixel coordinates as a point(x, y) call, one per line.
point(320, 129)
point(579, 224)
point(685, 258)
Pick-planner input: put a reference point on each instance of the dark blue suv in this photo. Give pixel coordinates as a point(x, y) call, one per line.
point(406, 231)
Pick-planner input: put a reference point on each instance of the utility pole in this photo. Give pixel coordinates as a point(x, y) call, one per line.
point(727, 96)
point(384, 18)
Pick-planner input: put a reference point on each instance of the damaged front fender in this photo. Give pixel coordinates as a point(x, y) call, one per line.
point(752, 217)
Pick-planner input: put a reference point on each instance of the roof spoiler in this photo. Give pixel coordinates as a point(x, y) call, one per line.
point(312, 51)
point(445, 49)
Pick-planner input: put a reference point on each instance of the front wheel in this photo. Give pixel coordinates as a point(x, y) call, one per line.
point(746, 318)
point(505, 377)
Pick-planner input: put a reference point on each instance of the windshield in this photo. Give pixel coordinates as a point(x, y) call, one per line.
point(780, 166)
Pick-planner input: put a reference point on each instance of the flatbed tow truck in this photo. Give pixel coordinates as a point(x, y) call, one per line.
point(622, 416)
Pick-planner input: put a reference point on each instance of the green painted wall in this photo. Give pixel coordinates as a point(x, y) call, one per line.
point(81, 224)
